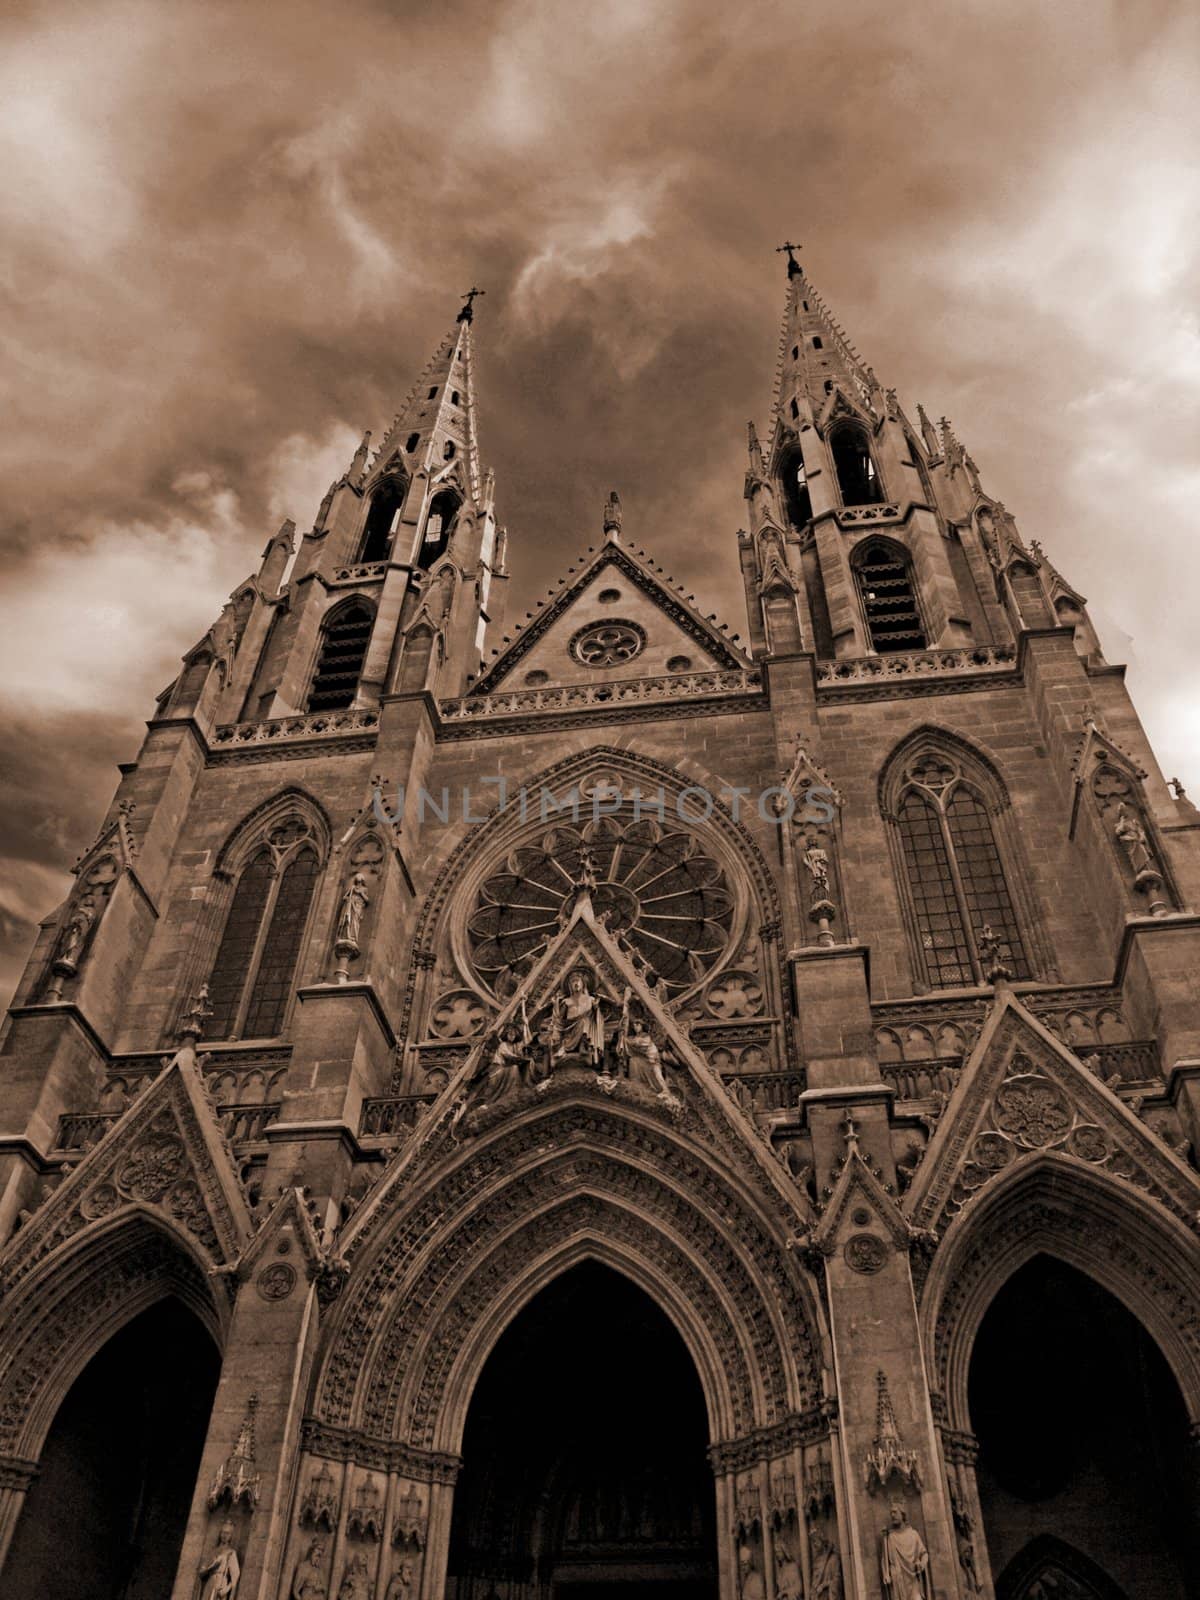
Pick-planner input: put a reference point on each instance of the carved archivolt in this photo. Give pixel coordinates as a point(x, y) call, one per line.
point(74, 1305)
point(1095, 1223)
point(455, 1254)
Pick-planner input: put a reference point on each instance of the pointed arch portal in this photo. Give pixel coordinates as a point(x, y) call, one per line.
point(104, 1518)
point(584, 1471)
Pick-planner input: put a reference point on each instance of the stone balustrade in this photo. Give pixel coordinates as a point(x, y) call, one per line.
point(918, 664)
point(286, 730)
point(392, 1116)
point(581, 696)
point(875, 513)
point(365, 572)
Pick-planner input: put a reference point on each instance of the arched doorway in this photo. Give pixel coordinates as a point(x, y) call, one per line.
point(1083, 1469)
point(584, 1469)
point(104, 1518)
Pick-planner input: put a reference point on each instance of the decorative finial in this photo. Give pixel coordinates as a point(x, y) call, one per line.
point(1177, 788)
point(467, 314)
point(191, 1024)
point(851, 1135)
point(359, 464)
point(793, 264)
point(612, 514)
point(887, 1457)
point(237, 1481)
point(990, 947)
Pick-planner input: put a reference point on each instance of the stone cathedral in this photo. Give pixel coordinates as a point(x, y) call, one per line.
point(608, 1107)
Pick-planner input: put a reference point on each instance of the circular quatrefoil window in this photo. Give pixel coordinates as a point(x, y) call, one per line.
point(608, 644)
point(655, 886)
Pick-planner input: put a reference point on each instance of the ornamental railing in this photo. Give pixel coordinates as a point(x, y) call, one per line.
point(876, 513)
point(918, 664)
point(578, 696)
point(365, 572)
point(81, 1130)
point(284, 730)
point(392, 1116)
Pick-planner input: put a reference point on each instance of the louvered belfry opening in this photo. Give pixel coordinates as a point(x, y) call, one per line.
point(889, 604)
point(340, 664)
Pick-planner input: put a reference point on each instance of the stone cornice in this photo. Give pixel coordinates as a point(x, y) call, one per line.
point(766, 1444)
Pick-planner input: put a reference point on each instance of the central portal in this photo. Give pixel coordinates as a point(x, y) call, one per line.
point(584, 1469)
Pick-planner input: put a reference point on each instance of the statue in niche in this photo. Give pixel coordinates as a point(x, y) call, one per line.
point(221, 1573)
point(577, 1023)
point(788, 1583)
point(308, 1580)
point(75, 932)
point(1130, 834)
point(400, 1586)
point(355, 901)
point(750, 1580)
point(903, 1559)
point(826, 1568)
point(816, 860)
point(355, 1582)
point(964, 1539)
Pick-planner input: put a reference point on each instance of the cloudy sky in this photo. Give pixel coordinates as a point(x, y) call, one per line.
point(231, 233)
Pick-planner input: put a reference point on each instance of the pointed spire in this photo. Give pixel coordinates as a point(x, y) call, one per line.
point(815, 355)
point(435, 428)
point(358, 464)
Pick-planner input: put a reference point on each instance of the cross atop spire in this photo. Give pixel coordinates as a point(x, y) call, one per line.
point(793, 264)
point(467, 314)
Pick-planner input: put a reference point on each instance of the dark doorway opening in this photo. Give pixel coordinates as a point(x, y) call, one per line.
point(584, 1472)
point(1083, 1448)
point(105, 1517)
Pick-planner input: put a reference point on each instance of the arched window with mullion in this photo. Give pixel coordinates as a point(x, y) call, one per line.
point(252, 978)
point(955, 875)
point(272, 987)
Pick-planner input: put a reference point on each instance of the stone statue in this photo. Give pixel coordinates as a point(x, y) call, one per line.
point(400, 1586)
point(965, 1543)
point(1132, 837)
point(508, 1063)
point(903, 1559)
point(355, 1582)
point(750, 1580)
point(355, 901)
point(639, 1051)
point(816, 860)
point(612, 513)
point(578, 1022)
point(75, 931)
point(309, 1581)
point(221, 1573)
point(826, 1568)
point(788, 1583)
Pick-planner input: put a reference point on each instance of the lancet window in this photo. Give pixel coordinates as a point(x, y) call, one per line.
point(383, 519)
point(854, 465)
point(795, 490)
point(344, 640)
point(889, 601)
point(254, 973)
point(439, 525)
point(958, 889)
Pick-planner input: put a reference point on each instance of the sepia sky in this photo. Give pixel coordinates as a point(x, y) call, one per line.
point(233, 232)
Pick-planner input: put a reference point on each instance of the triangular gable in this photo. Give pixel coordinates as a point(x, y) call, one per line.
point(670, 626)
point(166, 1154)
point(839, 404)
point(857, 1181)
point(694, 1091)
point(1023, 1094)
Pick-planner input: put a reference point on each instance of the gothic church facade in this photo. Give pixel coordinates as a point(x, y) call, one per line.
point(731, 1132)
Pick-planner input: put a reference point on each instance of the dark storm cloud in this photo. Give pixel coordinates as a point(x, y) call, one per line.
point(233, 233)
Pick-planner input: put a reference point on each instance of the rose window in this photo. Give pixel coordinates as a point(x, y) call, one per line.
point(607, 644)
point(654, 885)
